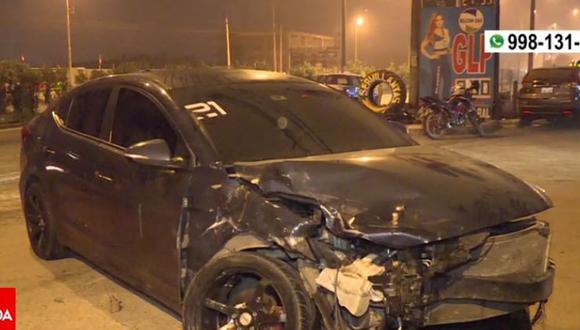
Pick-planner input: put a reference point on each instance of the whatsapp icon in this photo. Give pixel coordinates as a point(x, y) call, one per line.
point(496, 41)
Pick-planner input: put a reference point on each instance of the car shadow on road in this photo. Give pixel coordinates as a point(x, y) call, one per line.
point(108, 294)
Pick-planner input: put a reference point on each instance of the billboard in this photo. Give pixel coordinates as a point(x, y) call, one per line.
point(452, 48)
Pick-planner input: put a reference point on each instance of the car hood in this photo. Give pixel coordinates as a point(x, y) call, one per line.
point(402, 196)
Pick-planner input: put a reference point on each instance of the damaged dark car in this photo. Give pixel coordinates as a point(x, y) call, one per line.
point(256, 200)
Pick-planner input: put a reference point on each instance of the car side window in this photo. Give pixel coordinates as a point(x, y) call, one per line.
point(138, 119)
point(87, 111)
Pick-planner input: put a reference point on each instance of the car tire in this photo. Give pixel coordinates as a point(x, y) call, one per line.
point(40, 225)
point(433, 125)
point(283, 280)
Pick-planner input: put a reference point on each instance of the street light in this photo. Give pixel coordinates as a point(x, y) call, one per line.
point(575, 11)
point(360, 22)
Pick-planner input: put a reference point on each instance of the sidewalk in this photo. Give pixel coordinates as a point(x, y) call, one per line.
point(10, 120)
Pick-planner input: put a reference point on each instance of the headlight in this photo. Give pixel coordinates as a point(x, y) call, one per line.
point(542, 192)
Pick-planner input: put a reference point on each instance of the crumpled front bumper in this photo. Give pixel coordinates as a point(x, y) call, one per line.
point(512, 271)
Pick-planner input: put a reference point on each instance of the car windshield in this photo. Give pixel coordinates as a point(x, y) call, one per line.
point(553, 76)
point(261, 121)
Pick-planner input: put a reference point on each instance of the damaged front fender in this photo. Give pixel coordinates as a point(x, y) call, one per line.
point(223, 213)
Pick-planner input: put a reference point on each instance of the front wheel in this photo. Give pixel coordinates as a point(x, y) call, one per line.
point(435, 125)
point(476, 122)
point(247, 291)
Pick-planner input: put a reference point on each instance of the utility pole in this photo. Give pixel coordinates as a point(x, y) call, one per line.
point(281, 50)
point(274, 43)
point(343, 37)
point(532, 27)
point(69, 45)
point(228, 49)
point(356, 44)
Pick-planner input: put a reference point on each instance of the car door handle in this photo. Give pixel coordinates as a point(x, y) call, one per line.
point(103, 177)
point(48, 150)
point(72, 155)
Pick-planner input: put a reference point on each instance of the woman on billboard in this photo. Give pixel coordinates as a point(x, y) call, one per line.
point(436, 46)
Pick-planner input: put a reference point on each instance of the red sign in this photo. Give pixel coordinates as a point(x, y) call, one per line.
point(469, 58)
point(7, 308)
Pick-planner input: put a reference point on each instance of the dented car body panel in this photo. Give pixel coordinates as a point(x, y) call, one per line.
point(403, 196)
point(414, 228)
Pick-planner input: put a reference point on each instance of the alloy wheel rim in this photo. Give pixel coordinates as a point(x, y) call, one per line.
point(36, 222)
point(259, 307)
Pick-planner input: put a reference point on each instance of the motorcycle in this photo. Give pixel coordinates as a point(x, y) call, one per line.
point(454, 112)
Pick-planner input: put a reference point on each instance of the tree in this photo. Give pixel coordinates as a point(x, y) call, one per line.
point(132, 66)
point(81, 78)
point(305, 70)
point(359, 67)
point(97, 74)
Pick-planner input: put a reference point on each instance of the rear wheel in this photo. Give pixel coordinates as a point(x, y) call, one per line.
point(40, 226)
point(247, 291)
point(434, 125)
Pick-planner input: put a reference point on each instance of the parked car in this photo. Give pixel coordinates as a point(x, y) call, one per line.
point(343, 82)
point(550, 93)
point(255, 200)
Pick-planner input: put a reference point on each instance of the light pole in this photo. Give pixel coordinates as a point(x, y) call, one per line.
point(532, 27)
point(360, 21)
point(343, 35)
point(69, 45)
point(274, 43)
point(228, 46)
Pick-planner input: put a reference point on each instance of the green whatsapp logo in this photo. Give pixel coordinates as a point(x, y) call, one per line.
point(497, 41)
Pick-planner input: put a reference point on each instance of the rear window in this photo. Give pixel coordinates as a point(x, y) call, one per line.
point(343, 80)
point(553, 76)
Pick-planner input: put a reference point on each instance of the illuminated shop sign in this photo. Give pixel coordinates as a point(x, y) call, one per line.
point(452, 47)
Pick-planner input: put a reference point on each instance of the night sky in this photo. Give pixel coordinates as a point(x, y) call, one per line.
point(114, 28)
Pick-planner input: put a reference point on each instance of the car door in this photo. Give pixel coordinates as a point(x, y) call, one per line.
point(146, 201)
point(73, 153)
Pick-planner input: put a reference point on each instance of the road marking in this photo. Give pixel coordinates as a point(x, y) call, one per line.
point(10, 129)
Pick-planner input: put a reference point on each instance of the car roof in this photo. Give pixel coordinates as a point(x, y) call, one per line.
point(199, 77)
point(556, 68)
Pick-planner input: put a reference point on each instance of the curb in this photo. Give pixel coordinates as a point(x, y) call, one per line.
point(4, 126)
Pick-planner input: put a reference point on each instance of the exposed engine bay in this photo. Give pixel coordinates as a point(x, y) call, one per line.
point(458, 280)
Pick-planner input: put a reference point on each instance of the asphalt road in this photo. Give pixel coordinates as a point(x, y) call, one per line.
point(69, 294)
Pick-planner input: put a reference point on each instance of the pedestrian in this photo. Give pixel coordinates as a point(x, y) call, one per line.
point(2, 97)
point(47, 89)
point(17, 97)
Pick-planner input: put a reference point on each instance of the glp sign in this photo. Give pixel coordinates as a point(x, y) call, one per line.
point(451, 47)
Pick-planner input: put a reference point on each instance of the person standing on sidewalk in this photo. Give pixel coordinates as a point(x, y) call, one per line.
point(2, 98)
point(17, 97)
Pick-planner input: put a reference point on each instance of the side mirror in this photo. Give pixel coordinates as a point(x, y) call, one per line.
point(152, 153)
